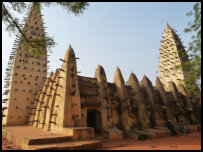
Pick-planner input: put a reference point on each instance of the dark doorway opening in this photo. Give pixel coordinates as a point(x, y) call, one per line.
point(94, 120)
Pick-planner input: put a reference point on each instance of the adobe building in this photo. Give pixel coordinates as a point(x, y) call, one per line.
point(78, 106)
point(172, 54)
point(25, 73)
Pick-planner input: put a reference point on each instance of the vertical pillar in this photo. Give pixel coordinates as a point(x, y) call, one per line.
point(156, 113)
point(124, 105)
point(70, 92)
point(100, 75)
point(179, 103)
point(143, 117)
point(170, 115)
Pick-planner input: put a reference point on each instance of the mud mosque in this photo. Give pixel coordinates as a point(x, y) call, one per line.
point(77, 107)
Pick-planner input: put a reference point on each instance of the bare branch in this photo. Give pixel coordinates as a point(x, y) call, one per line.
point(16, 25)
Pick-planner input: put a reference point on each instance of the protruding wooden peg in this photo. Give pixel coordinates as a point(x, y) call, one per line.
point(62, 60)
point(52, 122)
point(57, 94)
point(58, 85)
point(4, 108)
point(54, 114)
point(61, 69)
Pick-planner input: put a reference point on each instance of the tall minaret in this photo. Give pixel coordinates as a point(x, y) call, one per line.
point(27, 73)
point(172, 54)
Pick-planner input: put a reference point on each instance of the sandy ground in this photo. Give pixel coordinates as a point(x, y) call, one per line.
point(8, 145)
point(184, 142)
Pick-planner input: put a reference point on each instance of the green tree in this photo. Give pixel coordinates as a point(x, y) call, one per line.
point(34, 46)
point(194, 50)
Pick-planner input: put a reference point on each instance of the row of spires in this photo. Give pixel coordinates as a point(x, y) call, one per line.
point(99, 67)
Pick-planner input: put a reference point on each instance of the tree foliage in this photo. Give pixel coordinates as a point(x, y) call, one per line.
point(13, 26)
point(194, 50)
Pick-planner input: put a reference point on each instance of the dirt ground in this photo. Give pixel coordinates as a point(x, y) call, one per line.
point(184, 142)
point(8, 145)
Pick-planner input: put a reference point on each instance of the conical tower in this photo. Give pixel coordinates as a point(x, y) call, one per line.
point(27, 73)
point(172, 54)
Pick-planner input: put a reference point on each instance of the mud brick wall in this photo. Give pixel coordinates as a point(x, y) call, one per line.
point(27, 73)
point(64, 98)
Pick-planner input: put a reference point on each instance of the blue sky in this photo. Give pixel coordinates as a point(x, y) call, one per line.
point(126, 35)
